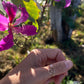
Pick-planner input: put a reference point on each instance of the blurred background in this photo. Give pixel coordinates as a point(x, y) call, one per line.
point(52, 19)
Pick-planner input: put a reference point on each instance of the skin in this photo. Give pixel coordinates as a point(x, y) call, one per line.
point(41, 66)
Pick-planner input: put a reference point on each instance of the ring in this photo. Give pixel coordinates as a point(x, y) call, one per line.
point(51, 70)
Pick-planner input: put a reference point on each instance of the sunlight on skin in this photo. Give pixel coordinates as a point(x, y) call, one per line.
point(33, 72)
point(15, 77)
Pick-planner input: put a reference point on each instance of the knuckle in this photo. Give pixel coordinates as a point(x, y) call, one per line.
point(59, 50)
point(35, 51)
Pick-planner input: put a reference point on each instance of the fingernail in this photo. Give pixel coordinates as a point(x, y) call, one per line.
point(68, 64)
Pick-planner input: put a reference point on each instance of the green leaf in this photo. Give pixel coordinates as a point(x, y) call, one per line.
point(32, 9)
point(18, 2)
point(30, 6)
point(27, 0)
point(36, 25)
point(31, 19)
point(6, 31)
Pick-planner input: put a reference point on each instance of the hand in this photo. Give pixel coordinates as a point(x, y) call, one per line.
point(41, 66)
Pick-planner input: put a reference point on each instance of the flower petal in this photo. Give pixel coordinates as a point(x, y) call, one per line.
point(68, 2)
point(3, 27)
point(11, 10)
point(3, 23)
point(27, 30)
point(6, 42)
point(24, 16)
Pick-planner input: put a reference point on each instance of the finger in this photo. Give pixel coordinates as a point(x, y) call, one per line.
point(50, 53)
point(56, 79)
point(44, 73)
point(47, 55)
point(59, 79)
point(49, 81)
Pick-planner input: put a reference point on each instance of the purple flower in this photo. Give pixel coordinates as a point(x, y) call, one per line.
point(7, 24)
point(68, 2)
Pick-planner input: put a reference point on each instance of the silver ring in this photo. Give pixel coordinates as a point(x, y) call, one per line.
point(51, 70)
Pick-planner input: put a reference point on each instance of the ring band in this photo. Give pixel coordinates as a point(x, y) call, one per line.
point(51, 70)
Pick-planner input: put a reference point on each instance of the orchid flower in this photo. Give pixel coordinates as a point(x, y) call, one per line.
point(8, 24)
point(68, 2)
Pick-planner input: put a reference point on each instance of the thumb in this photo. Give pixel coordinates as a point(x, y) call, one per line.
point(58, 68)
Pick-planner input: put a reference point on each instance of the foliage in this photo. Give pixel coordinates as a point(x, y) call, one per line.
point(34, 11)
point(59, 4)
point(35, 42)
point(69, 14)
point(31, 8)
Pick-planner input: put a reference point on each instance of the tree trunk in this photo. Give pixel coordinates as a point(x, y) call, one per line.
point(56, 23)
point(61, 31)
